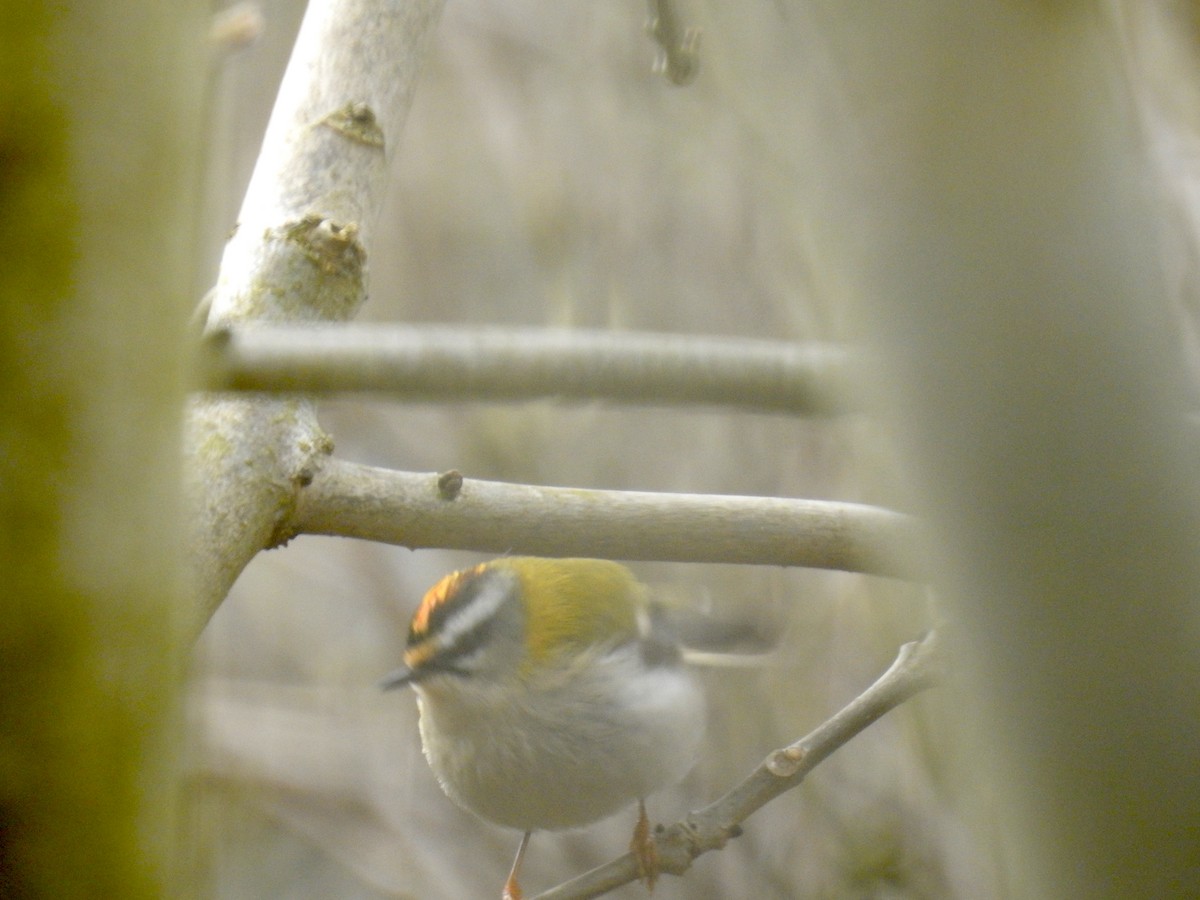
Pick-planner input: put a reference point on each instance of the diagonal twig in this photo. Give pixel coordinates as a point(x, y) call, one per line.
point(919, 665)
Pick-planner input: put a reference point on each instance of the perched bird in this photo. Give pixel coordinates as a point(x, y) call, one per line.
point(547, 700)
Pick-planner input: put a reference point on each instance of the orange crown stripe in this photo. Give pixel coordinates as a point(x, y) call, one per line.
point(437, 595)
point(434, 598)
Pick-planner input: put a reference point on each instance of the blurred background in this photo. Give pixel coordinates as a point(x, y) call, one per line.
point(549, 177)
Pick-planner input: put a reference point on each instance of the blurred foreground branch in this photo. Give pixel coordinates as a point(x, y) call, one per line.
point(417, 510)
point(101, 138)
point(1002, 234)
point(919, 665)
point(444, 364)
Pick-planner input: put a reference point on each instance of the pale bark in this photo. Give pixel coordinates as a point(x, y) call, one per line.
point(299, 254)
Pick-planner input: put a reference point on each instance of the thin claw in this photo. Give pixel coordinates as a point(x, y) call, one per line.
point(512, 890)
point(644, 850)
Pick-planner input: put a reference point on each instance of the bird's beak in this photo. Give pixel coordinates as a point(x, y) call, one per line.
point(400, 677)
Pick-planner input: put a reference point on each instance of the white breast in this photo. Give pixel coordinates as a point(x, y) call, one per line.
point(578, 744)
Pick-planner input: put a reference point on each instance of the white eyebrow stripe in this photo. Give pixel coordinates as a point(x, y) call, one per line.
point(490, 597)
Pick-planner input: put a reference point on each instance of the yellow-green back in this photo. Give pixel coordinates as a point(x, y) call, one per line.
point(574, 603)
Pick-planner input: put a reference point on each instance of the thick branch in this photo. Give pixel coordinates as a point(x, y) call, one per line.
point(918, 666)
point(460, 364)
point(418, 510)
point(298, 255)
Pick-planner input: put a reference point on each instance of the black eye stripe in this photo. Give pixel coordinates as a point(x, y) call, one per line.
point(439, 666)
point(466, 643)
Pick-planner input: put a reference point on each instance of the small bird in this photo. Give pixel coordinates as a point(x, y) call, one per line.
point(547, 699)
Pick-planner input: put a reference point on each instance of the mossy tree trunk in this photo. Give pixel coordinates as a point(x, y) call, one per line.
point(99, 141)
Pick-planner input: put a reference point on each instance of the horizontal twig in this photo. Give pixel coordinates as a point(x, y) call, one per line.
point(460, 364)
point(425, 510)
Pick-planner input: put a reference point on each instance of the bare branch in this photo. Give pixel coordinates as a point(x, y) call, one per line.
point(459, 364)
point(918, 666)
point(417, 510)
point(298, 255)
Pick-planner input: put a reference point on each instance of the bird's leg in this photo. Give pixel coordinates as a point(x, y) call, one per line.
point(512, 890)
point(644, 851)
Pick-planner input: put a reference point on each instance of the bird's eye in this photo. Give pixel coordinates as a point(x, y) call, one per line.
point(456, 667)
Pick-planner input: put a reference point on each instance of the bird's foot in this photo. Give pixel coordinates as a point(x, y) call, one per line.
point(512, 890)
point(644, 850)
